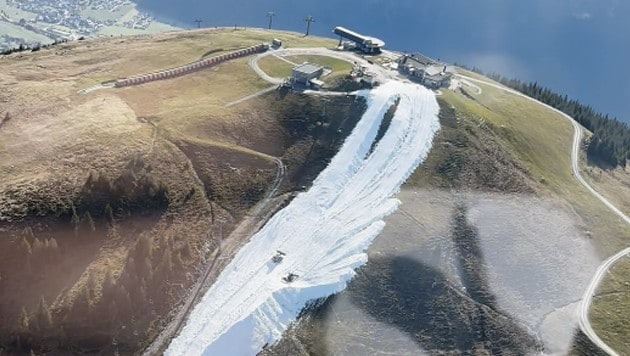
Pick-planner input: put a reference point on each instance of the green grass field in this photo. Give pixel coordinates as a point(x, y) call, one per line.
point(104, 15)
point(542, 140)
point(275, 67)
point(611, 308)
point(278, 68)
point(20, 32)
point(335, 64)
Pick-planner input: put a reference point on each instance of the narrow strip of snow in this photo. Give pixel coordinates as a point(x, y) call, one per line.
point(324, 232)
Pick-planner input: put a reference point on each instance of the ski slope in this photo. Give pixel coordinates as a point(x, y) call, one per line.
point(324, 232)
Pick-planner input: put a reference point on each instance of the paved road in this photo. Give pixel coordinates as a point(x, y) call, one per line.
point(587, 298)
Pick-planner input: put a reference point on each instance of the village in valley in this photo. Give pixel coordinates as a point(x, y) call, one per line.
point(39, 22)
point(44, 21)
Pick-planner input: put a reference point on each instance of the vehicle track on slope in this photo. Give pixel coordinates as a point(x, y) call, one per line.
point(226, 250)
point(587, 298)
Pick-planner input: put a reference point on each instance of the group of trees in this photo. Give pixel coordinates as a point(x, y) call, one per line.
point(135, 190)
point(23, 47)
point(610, 143)
point(153, 274)
point(154, 266)
point(36, 252)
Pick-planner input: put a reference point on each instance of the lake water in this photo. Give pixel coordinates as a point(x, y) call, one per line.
point(576, 47)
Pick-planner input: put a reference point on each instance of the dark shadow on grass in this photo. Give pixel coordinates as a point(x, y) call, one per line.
point(582, 346)
point(439, 316)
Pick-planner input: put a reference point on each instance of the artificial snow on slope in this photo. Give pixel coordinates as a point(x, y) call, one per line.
point(324, 232)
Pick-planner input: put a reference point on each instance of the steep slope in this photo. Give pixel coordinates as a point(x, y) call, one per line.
point(508, 160)
point(323, 231)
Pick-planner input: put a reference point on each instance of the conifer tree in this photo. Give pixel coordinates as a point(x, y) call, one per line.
point(24, 322)
point(87, 218)
point(109, 213)
point(44, 318)
point(25, 246)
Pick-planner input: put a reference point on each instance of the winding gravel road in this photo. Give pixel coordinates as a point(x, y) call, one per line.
point(587, 298)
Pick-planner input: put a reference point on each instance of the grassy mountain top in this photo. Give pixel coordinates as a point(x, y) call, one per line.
point(114, 198)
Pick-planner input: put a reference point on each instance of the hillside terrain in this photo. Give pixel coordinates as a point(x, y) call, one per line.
point(494, 203)
point(114, 203)
point(111, 201)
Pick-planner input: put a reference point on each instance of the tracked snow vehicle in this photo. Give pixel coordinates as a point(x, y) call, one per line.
point(290, 277)
point(278, 257)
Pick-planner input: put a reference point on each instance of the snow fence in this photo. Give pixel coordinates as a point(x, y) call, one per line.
point(189, 68)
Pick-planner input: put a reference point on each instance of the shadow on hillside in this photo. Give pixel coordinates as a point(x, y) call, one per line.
point(582, 345)
point(439, 316)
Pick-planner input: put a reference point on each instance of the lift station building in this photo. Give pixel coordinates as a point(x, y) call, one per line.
point(307, 75)
point(369, 45)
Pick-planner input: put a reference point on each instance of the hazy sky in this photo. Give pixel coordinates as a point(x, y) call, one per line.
point(576, 47)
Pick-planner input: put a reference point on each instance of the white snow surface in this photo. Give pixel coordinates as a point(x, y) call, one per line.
point(324, 232)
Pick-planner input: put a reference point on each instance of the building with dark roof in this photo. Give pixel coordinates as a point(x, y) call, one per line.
point(423, 69)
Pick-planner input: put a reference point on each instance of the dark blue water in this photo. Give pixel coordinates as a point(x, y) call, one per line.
point(576, 47)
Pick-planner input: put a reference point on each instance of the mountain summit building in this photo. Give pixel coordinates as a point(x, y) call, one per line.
point(428, 72)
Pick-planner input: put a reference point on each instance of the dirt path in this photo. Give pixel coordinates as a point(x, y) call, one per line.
point(154, 136)
point(285, 60)
point(587, 298)
point(249, 97)
point(253, 63)
point(228, 247)
point(95, 88)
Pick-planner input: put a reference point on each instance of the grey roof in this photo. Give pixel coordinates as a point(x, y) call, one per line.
point(307, 68)
point(439, 77)
point(417, 60)
point(434, 70)
point(359, 38)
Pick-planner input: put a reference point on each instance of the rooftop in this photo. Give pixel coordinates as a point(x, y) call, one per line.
point(364, 40)
point(307, 68)
point(417, 60)
point(434, 70)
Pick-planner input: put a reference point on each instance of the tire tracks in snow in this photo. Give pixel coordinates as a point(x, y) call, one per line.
point(324, 231)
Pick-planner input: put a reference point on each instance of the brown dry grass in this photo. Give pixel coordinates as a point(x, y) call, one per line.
point(55, 137)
